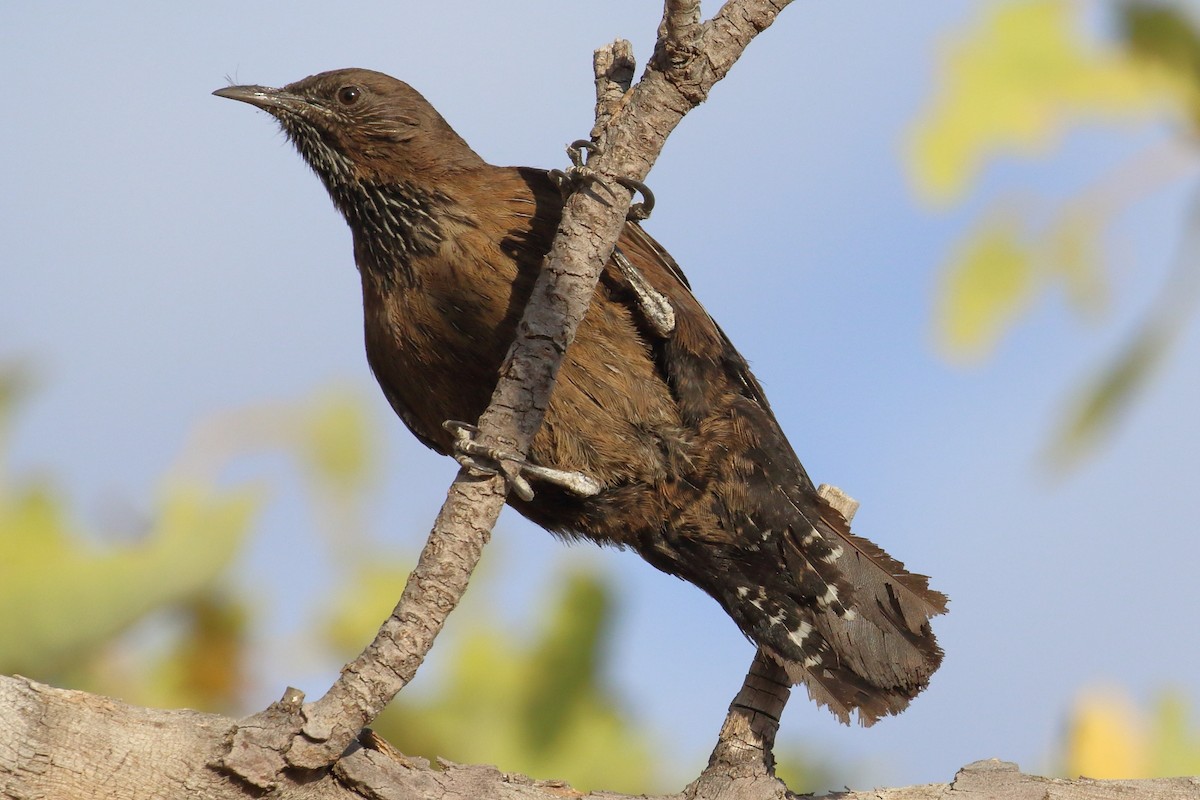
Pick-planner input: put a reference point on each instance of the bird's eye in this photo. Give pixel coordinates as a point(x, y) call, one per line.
point(348, 95)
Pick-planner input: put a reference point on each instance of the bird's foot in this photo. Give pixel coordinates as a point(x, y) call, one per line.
point(479, 459)
point(579, 174)
point(654, 306)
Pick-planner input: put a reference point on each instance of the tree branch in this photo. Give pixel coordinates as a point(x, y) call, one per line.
point(61, 743)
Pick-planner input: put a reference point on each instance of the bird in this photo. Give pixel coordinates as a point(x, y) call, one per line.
point(680, 454)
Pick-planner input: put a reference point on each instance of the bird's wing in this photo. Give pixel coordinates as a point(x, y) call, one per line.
point(847, 620)
point(699, 331)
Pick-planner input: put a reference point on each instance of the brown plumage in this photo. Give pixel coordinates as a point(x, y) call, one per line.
point(697, 476)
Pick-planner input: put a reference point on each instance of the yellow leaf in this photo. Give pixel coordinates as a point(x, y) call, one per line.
point(1012, 83)
point(1106, 738)
point(987, 285)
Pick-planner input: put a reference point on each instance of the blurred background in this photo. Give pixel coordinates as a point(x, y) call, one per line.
point(956, 240)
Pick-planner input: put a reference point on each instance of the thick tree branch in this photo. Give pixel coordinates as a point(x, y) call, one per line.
point(58, 743)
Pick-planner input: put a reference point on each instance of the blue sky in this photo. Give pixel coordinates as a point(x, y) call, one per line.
point(166, 255)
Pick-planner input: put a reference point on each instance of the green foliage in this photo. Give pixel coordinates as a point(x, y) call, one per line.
point(334, 441)
point(1174, 743)
point(1001, 268)
point(204, 666)
point(563, 665)
point(154, 619)
point(73, 596)
point(1011, 84)
point(1162, 34)
point(535, 704)
point(1021, 75)
point(66, 593)
point(991, 283)
point(1104, 398)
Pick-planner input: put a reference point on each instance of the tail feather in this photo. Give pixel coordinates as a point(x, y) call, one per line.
point(843, 691)
point(846, 620)
point(869, 566)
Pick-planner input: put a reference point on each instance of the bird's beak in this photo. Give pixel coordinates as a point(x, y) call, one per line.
point(266, 98)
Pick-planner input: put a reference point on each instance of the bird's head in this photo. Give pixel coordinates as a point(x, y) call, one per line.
point(359, 125)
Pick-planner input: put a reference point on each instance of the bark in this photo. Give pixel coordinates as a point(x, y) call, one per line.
point(63, 744)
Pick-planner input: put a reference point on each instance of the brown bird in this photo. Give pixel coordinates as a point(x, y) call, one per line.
point(688, 465)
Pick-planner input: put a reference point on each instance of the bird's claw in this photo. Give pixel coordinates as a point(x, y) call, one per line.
point(638, 211)
point(580, 174)
point(512, 466)
point(577, 148)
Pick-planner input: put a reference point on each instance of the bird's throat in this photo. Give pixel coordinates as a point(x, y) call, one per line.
point(392, 224)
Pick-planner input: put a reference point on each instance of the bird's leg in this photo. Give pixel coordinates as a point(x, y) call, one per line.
point(514, 467)
point(638, 211)
point(654, 305)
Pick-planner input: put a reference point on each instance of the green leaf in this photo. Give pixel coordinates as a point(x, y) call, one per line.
point(1073, 255)
point(64, 595)
point(204, 668)
point(1174, 746)
point(362, 604)
point(1163, 35)
point(1107, 396)
point(563, 665)
point(536, 707)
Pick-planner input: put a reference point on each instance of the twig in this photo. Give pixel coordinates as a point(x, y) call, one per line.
point(614, 66)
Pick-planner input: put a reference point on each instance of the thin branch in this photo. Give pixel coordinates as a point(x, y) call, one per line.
point(591, 222)
point(679, 32)
point(614, 65)
point(731, 29)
